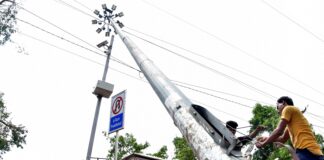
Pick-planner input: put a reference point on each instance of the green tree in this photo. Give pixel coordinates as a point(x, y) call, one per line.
point(8, 11)
point(269, 117)
point(162, 153)
point(182, 149)
point(10, 134)
point(128, 145)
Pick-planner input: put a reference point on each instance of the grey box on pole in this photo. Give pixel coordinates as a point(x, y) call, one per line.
point(103, 89)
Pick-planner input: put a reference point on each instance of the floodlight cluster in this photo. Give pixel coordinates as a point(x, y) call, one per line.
point(104, 19)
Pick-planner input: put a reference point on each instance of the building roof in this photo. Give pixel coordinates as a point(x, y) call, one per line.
point(142, 156)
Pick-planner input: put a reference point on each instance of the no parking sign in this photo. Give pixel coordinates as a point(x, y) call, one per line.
point(117, 112)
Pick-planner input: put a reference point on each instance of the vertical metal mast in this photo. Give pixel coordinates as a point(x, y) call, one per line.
point(176, 103)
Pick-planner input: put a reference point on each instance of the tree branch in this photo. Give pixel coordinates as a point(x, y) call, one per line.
point(8, 125)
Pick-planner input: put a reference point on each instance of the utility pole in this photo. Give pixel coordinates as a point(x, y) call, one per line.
point(205, 133)
point(103, 89)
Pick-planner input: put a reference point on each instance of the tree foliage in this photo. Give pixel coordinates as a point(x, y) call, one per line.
point(182, 149)
point(8, 11)
point(10, 134)
point(128, 145)
point(162, 153)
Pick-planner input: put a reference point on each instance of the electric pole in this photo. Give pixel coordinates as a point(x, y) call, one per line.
point(103, 89)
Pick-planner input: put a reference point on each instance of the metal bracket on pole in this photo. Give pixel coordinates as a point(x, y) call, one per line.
point(216, 129)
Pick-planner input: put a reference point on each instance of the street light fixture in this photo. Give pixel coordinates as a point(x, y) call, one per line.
point(104, 43)
point(120, 14)
point(96, 12)
point(104, 6)
point(113, 7)
point(94, 21)
point(98, 30)
point(120, 24)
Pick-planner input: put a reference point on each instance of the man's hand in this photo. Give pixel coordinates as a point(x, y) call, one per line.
point(260, 128)
point(261, 139)
point(260, 142)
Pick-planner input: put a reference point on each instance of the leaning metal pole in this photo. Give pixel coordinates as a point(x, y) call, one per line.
point(177, 104)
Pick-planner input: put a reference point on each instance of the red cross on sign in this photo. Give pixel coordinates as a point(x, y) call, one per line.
point(117, 105)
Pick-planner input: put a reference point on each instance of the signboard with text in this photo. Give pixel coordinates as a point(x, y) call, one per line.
point(117, 112)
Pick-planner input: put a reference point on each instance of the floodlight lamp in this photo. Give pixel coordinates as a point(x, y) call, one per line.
point(104, 43)
point(120, 14)
point(121, 25)
point(98, 30)
point(96, 12)
point(104, 6)
point(113, 7)
point(94, 21)
point(107, 34)
point(103, 28)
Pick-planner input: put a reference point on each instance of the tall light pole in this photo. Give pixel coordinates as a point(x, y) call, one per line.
point(103, 89)
point(205, 133)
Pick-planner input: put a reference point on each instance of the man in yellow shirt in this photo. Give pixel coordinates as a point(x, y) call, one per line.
point(293, 124)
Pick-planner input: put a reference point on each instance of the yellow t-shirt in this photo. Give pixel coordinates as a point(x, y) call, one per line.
point(300, 132)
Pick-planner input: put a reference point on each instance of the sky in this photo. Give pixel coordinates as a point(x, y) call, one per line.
point(235, 53)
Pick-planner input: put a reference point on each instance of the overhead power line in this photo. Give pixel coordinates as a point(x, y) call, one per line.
point(84, 6)
point(223, 74)
point(79, 10)
point(226, 75)
point(74, 43)
point(204, 88)
point(75, 54)
point(140, 79)
point(294, 22)
point(74, 8)
point(228, 100)
point(232, 46)
point(62, 38)
point(65, 31)
point(206, 67)
point(227, 66)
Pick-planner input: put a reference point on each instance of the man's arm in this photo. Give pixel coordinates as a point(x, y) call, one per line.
point(256, 131)
point(275, 134)
point(283, 138)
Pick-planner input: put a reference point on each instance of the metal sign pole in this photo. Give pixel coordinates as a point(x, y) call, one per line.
point(116, 146)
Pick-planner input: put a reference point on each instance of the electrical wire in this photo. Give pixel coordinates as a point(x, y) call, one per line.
point(123, 63)
point(143, 80)
point(75, 8)
point(185, 58)
point(232, 46)
point(192, 85)
point(294, 22)
point(75, 54)
point(192, 52)
point(214, 61)
point(62, 38)
point(215, 96)
point(206, 67)
point(71, 42)
point(71, 35)
point(52, 24)
point(84, 6)
point(150, 42)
